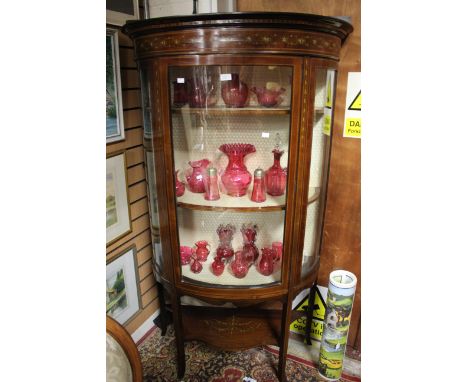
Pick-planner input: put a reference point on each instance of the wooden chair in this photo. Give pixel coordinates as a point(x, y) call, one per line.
point(119, 344)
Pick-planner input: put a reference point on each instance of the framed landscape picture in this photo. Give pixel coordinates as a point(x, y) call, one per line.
point(119, 11)
point(122, 291)
point(114, 111)
point(117, 209)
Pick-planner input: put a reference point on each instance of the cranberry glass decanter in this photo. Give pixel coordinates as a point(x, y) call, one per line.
point(236, 178)
point(180, 97)
point(234, 92)
point(225, 233)
point(275, 176)
point(195, 177)
point(250, 250)
point(265, 265)
point(239, 266)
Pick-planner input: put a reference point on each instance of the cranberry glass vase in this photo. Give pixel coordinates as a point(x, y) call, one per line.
point(180, 97)
point(196, 266)
point(195, 178)
point(201, 92)
point(202, 252)
point(268, 97)
point(225, 233)
point(234, 92)
point(179, 186)
point(217, 266)
point(236, 178)
point(185, 254)
point(275, 176)
point(239, 266)
point(250, 250)
point(265, 265)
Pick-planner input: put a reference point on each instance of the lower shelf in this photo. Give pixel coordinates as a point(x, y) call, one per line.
point(232, 329)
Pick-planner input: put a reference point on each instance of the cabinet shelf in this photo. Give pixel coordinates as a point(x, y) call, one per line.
point(197, 202)
point(225, 111)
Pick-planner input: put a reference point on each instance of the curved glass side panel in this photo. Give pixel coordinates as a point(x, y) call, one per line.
point(324, 90)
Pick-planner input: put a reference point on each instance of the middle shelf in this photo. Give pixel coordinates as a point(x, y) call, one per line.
point(196, 201)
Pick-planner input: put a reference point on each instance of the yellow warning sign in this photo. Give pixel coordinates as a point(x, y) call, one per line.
point(327, 124)
point(329, 94)
point(318, 315)
point(356, 103)
point(353, 128)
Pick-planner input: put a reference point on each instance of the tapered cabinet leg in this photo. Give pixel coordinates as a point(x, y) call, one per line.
point(163, 314)
point(179, 336)
point(285, 322)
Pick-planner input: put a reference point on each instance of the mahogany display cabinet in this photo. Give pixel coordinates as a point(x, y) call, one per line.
point(238, 112)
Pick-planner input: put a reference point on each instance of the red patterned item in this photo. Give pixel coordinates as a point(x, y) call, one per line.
point(196, 266)
point(236, 178)
point(217, 266)
point(249, 234)
point(179, 186)
point(259, 187)
point(275, 176)
point(239, 266)
point(202, 92)
point(201, 252)
point(185, 254)
point(268, 97)
point(235, 92)
point(195, 177)
point(265, 265)
point(225, 233)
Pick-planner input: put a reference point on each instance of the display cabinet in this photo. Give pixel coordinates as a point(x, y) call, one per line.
point(238, 110)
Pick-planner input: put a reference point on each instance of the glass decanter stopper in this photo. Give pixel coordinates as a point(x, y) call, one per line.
point(259, 187)
point(225, 233)
point(239, 266)
point(211, 187)
point(275, 176)
point(250, 250)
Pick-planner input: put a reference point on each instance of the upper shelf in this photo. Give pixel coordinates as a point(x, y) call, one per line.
point(221, 110)
point(195, 201)
point(247, 111)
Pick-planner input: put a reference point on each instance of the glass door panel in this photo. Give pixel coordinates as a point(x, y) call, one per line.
point(324, 90)
point(230, 136)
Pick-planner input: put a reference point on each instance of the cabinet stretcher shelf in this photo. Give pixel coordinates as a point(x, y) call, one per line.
point(221, 110)
point(197, 202)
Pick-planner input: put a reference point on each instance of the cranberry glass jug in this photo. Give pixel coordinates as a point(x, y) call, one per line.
point(249, 234)
point(239, 266)
point(201, 252)
point(195, 178)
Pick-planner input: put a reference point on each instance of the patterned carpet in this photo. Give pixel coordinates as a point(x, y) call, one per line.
point(205, 364)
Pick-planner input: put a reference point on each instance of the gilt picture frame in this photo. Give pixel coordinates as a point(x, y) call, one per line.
point(115, 130)
point(123, 298)
point(118, 222)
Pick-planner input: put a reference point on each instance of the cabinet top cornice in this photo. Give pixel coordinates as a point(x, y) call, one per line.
point(281, 20)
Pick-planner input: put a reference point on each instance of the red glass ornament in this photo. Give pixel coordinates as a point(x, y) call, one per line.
point(180, 96)
point(250, 250)
point(236, 178)
point(217, 266)
point(278, 249)
point(275, 176)
point(195, 178)
point(211, 186)
point(234, 92)
point(196, 266)
point(225, 233)
point(268, 97)
point(201, 252)
point(259, 187)
point(179, 186)
point(265, 265)
point(201, 92)
point(239, 266)
point(185, 254)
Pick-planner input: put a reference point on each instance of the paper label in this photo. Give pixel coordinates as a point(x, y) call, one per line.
point(226, 77)
point(181, 80)
point(352, 125)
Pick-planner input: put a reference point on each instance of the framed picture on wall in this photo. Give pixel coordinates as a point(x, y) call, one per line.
point(114, 110)
point(123, 298)
point(118, 221)
point(119, 11)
